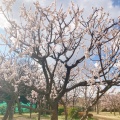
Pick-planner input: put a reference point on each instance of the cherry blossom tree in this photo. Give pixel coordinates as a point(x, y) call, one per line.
point(111, 101)
point(69, 49)
point(88, 93)
point(8, 87)
point(14, 74)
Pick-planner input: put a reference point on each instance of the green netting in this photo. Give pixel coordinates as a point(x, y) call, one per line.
point(3, 107)
point(3, 104)
point(24, 110)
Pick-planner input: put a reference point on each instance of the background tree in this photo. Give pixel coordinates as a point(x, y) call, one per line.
point(110, 101)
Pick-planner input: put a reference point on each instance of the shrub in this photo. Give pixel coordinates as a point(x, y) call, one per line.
point(63, 113)
point(116, 110)
point(74, 113)
point(81, 114)
point(104, 110)
point(90, 115)
point(2, 110)
point(60, 110)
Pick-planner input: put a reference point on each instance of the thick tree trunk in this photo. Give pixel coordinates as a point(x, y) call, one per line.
point(9, 111)
point(6, 113)
point(5, 116)
point(54, 115)
point(11, 114)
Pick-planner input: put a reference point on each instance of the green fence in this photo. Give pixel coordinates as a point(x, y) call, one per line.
point(3, 107)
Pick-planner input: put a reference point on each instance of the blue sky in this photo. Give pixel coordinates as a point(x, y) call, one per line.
point(116, 2)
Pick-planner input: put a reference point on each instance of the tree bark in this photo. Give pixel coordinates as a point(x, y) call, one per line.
point(6, 113)
point(119, 110)
point(19, 105)
point(11, 114)
point(98, 107)
point(98, 101)
point(65, 109)
point(19, 109)
point(114, 111)
point(73, 101)
point(54, 115)
point(111, 110)
point(30, 110)
point(9, 111)
point(39, 113)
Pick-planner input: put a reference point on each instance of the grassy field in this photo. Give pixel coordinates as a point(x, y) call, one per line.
point(34, 117)
point(106, 116)
point(100, 116)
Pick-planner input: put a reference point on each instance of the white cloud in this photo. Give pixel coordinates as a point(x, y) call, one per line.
point(96, 65)
point(3, 22)
point(86, 4)
point(107, 5)
point(117, 64)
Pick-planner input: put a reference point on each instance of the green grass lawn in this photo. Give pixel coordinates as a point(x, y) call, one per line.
point(100, 116)
point(34, 117)
point(26, 116)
